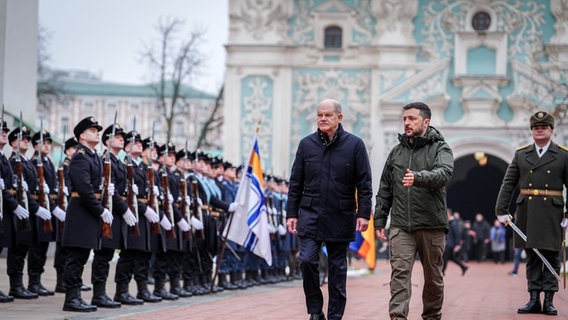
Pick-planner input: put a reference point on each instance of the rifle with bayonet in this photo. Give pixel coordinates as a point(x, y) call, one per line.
point(43, 197)
point(195, 209)
point(106, 199)
point(152, 197)
point(21, 194)
point(131, 195)
point(168, 209)
point(61, 197)
point(185, 212)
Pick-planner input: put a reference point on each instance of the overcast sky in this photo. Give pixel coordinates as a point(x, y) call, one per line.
point(106, 37)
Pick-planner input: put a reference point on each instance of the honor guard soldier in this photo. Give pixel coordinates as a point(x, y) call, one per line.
point(25, 171)
point(86, 213)
point(12, 211)
point(540, 170)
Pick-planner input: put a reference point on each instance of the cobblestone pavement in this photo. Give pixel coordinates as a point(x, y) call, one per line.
point(485, 292)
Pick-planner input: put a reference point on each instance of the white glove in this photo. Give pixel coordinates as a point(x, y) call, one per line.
point(2, 185)
point(199, 202)
point(183, 225)
point(21, 213)
point(43, 213)
point(107, 216)
point(271, 228)
point(233, 207)
point(284, 213)
point(151, 215)
point(135, 189)
point(156, 190)
point(129, 218)
point(111, 189)
point(65, 191)
point(59, 214)
point(25, 185)
point(281, 230)
point(274, 210)
point(268, 210)
point(196, 223)
point(165, 223)
point(188, 200)
point(45, 188)
point(170, 198)
point(504, 218)
point(564, 223)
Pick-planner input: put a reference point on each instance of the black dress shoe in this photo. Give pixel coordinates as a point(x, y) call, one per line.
point(165, 294)
point(85, 287)
point(5, 298)
point(40, 290)
point(317, 316)
point(78, 305)
point(147, 296)
point(126, 298)
point(22, 293)
point(103, 301)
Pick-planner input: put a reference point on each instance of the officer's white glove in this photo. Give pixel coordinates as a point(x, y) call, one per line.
point(504, 218)
point(111, 189)
point(196, 223)
point(59, 214)
point(564, 223)
point(183, 225)
point(45, 188)
point(156, 190)
point(2, 185)
point(25, 185)
point(135, 189)
point(129, 218)
point(107, 216)
point(233, 207)
point(21, 213)
point(188, 200)
point(151, 215)
point(43, 213)
point(165, 223)
point(271, 229)
point(65, 191)
point(281, 230)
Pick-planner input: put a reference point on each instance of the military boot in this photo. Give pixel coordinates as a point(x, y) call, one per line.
point(5, 298)
point(547, 307)
point(237, 279)
point(160, 290)
point(533, 306)
point(59, 284)
point(74, 302)
point(144, 294)
point(224, 283)
point(176, 288)
point(124, 297)
point(100, 298)
point(196, 286)
point(35, 286)
point(18, 291)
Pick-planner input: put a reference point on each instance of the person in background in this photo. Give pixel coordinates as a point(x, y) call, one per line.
point(498, 242)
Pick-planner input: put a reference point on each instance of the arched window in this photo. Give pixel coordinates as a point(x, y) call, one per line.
point(481, 21)
point(332, 37)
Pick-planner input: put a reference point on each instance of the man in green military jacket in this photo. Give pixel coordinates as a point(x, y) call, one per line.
point(540, 170)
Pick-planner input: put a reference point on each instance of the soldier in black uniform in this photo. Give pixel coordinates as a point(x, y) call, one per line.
point(134, 259)
point(541, 172)
point(85, 212)
point(12, 211)
point(16, 255)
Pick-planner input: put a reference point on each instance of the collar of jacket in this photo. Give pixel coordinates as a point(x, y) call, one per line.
point(325, 139)
point(432, 135)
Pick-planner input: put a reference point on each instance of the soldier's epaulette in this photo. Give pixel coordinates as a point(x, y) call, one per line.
point(80, 151)
point(563, 147)
point(523, 147)
point(66, 161)
point(177, 174)
point(34, 158)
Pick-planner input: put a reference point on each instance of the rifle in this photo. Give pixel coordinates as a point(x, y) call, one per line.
point(61, 197)
point(106, 229)
point(167, 205)
point(185, 213)
point(43, 197)
point(152, 197)
point(21, 194)
point(131, 196)
point(270, 204)
point(195, 209)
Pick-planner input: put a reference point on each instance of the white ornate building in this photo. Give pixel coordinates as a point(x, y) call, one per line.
point(483, 67)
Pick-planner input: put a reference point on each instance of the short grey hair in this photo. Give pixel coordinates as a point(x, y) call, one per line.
point(336, 105)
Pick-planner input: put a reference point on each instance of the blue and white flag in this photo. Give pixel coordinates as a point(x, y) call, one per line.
point(249, 226)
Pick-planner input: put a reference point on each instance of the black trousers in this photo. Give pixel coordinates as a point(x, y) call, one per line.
point(59, 258)
point(15, 260)
point(337, 276)
point(36, 259)
point(101, 265)
point(132, 263)
point(75, 261)
point(538, 276)
point(169, 263)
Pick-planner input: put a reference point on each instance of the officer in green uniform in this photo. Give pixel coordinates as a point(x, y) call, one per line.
point(540, 170)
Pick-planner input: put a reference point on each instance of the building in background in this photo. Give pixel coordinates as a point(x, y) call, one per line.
point(483, 67)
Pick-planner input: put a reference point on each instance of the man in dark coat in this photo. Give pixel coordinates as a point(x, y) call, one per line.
point(541, 172)
point(329, 199)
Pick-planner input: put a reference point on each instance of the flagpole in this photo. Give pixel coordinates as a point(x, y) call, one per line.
point(225, 237)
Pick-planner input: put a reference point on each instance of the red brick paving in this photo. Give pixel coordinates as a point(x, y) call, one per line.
point(485, 292)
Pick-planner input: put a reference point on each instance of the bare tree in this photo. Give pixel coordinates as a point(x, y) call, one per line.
point(214, 122)
point(174, 61)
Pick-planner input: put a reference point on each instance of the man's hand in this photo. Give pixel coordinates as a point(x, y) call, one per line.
point(151, 215)
point(165, 223)
point(504, 219)
point(381, 234)
point(362, 224)
point(59, 214)
point(564, 223)
point(107, 216)
point(21, 213)
point(408, 180)
point(183, 225)
point(43, 213)
point(291, 223)
point(129, 218)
